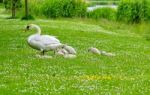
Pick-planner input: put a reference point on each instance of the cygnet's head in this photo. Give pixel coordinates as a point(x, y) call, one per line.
point(89, 49)
point(64, 45)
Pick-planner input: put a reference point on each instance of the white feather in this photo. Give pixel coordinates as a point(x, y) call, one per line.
point(42, 42)
point(70, 49)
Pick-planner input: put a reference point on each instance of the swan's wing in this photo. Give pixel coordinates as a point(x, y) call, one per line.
point(46, 40)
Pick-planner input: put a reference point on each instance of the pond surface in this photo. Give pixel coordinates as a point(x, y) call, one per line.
point(91, 8)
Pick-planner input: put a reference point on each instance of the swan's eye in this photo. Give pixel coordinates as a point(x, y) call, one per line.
point(28, 27)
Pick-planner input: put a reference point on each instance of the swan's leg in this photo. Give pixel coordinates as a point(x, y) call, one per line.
point(54, 52)
point(42, 52)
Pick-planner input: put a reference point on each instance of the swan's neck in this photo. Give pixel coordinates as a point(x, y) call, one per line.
point(38, 30)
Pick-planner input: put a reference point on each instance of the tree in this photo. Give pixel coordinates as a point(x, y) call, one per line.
point(27, 15)
point(12, 5)
point(13, 8)
point(26, 9)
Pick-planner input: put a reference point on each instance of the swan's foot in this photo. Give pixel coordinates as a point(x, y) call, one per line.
point(54, 52)
point(42, 53)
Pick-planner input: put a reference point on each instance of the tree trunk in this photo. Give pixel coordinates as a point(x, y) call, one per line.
point(26, 8)
point(13, 9)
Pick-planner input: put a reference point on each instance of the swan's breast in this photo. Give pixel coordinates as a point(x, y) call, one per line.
point(34, 42)
point(49, 39)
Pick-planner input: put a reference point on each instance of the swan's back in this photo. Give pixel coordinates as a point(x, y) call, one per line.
point(42, 41)
point(46, 39)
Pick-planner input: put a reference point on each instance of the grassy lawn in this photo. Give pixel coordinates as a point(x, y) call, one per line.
point(22, 73)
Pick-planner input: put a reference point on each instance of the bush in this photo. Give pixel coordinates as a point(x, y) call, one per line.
point(103, 2)
point(59, 8)
point(30, 17)
point(106, 13)
point(148, 10)
point(35, 7)
point(133, 11)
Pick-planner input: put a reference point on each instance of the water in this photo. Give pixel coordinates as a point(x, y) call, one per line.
point(101, 6)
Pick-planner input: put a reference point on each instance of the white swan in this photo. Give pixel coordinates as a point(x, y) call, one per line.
point(42, 42)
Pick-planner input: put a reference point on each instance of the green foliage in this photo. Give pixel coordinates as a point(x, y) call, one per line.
point(148, 10)
point(35, 7)
point(8, 4)
point(132, 11)
point(59, 8)
point(30, 17)
point(103, 2)
point(1, 1)
point(106, 13)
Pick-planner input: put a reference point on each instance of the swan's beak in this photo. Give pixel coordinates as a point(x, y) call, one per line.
point(25, 30)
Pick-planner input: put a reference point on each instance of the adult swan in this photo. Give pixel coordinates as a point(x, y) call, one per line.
point(42, 42)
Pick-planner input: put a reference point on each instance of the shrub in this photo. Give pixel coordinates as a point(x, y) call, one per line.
point(30, 17)
point(106, 13)
point(35, 7)
point(133, 11)
point(148, 10)
point(103, 2)
point(59, 8)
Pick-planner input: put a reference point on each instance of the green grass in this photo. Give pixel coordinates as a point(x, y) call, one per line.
point(22, 73)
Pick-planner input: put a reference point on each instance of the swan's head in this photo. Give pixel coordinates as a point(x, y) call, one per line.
point(31, 26)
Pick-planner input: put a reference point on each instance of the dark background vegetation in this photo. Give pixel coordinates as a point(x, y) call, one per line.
point(131, 11)
point(128, 11)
